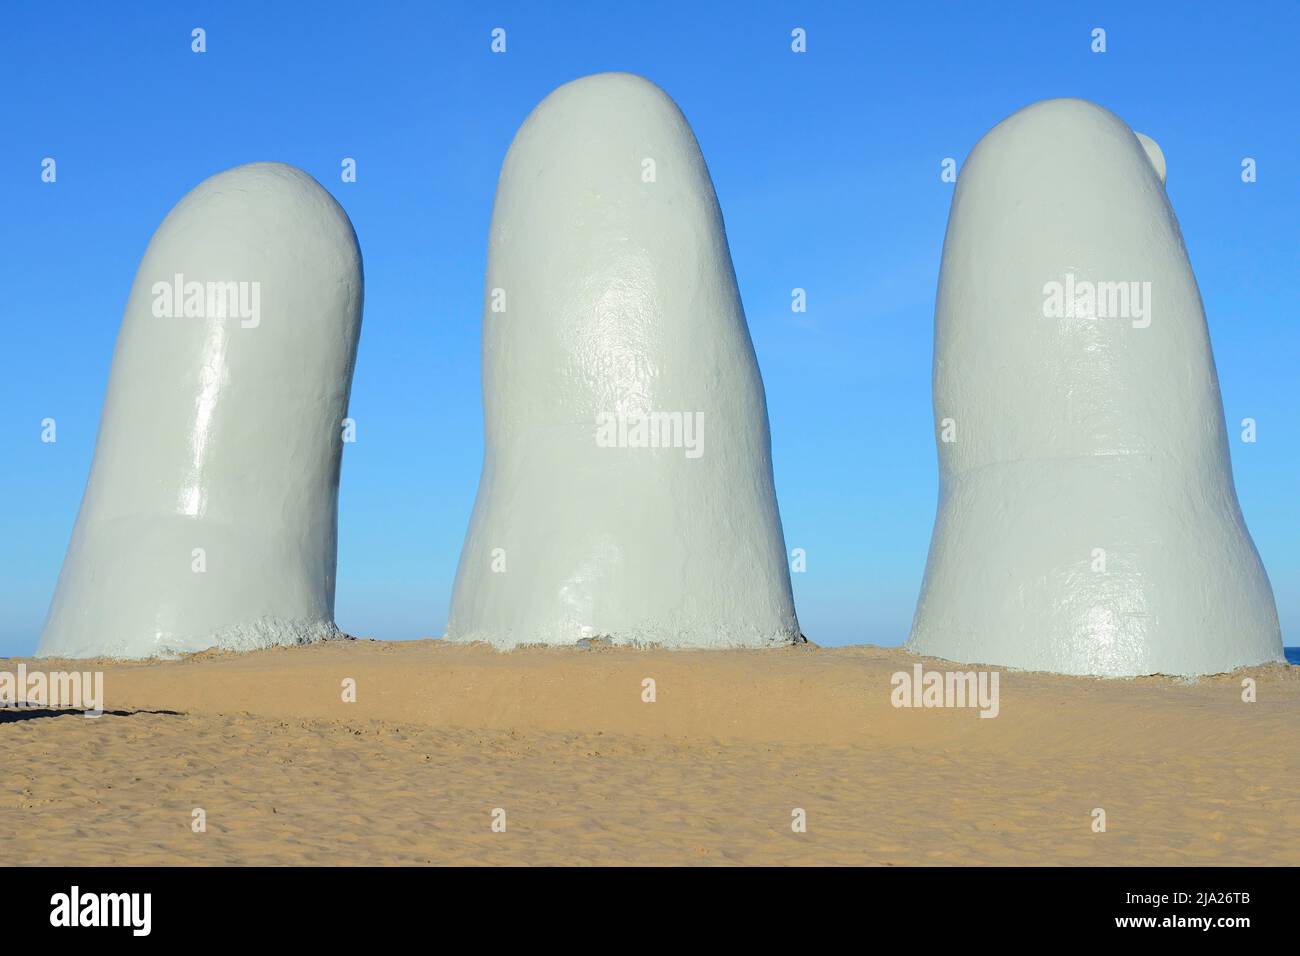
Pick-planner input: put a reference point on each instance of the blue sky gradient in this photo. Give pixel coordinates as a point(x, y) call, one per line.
point(827, 167)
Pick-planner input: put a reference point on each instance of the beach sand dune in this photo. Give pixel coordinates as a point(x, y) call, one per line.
point(711, 772)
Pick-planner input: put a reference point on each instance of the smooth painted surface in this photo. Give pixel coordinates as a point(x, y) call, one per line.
point(619, 300)
point(1087, 519)
point(209, 518)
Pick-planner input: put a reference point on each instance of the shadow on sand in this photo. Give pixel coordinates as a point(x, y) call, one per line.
point(11, 714)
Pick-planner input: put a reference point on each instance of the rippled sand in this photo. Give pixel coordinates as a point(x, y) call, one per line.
point(587, 772)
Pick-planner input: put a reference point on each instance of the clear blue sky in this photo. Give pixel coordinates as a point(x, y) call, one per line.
point(827, 168)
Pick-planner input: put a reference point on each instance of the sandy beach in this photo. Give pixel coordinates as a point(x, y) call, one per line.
point(562, 746)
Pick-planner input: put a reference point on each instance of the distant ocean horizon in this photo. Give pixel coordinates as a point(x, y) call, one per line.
point(1292, 655)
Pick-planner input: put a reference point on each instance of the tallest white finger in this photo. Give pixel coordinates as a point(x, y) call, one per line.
point(627, 485)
